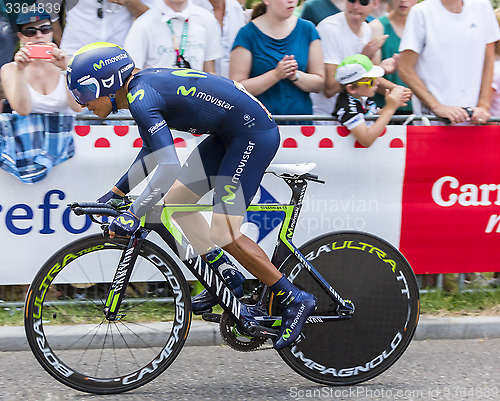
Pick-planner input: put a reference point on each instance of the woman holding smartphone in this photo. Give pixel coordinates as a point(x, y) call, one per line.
point(34, 82)
point(43, 109)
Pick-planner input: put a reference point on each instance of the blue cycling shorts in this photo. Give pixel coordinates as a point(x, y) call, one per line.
point(233, 164)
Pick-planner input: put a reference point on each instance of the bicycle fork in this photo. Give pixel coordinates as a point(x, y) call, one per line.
point(122, 275)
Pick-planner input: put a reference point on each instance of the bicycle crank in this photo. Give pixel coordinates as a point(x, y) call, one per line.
point(236, 340)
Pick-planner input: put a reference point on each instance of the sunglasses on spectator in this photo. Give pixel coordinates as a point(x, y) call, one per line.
point(370, 83)
point(361, 2)
point(31, 31)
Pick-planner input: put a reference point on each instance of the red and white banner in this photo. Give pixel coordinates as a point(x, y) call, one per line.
point(434, 192)
point(451, 199)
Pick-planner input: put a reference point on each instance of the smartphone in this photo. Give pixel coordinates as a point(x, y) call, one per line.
point(40, 51)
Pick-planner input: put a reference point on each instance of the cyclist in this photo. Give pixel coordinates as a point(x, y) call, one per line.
point(243, 139)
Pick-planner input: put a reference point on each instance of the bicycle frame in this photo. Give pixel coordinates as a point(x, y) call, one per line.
point(211, 279)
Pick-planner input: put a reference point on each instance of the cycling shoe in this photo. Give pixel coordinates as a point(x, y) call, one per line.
point(202, 302)
point(295, 315)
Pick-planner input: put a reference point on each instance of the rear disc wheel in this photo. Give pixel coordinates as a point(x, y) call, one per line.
point(379, 281)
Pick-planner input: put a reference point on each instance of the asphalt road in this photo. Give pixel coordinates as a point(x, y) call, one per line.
point(455, 370)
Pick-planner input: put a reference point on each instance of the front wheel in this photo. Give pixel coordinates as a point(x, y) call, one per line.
point(379, 281)
point(67, 329)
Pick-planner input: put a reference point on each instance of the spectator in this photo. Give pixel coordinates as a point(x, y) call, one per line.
point(36, 88)
point(8, 39)
point(90, 21)
point(278, 58)
point(495, 86)
point(342, 35)
point(358, 78)
point(495, 112)
point(8, 42)
point(447, 57)
point(231, 18)
point(175, 33)
point(246, 11)
point(392, 25)
point(37, 85)
point(317, 10)
point(383, 8)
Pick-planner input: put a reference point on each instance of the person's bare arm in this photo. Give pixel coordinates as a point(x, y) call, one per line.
point(481, 112)
point(313, 80)
point(377, 32)
point(372, 48)
point(332, 86)
point(209, 66)
point(366, 135)
point(136, 7)
point(57, 32)
point(240, 65)
point(407, 62)
point(15, 84)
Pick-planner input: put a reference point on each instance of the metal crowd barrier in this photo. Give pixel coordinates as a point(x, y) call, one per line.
point(399, 119)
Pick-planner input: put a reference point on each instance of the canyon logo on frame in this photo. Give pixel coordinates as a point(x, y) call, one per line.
point(451, 199)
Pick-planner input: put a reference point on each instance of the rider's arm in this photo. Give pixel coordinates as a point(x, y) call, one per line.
point(158, 150)
point(141, 167)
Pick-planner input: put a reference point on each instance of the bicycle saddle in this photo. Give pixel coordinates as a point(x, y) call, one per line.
point(290, 170)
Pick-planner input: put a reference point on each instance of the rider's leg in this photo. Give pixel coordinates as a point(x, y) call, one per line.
point(225, 232)
point(197, 230)
point(193, 224)
point(297, 305)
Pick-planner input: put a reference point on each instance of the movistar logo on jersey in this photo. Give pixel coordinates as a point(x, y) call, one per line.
point(108, 61)
point(286, 335)
point(181, 90)
point(131, 97)
point(214, 100)
point(125, 221)
point(189, 73)
point(230, 194)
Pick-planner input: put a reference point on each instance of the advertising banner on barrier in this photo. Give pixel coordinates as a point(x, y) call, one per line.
point(432, 191)
point(451, 199)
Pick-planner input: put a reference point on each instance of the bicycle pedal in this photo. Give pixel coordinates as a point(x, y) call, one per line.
point(211, 317)
point(201, 312)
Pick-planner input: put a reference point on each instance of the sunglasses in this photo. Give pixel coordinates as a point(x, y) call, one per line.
point(370, 83)
point(113, 8)
point(31, 31)
point(361, 2)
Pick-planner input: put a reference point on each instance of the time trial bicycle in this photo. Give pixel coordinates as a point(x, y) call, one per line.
point(109, 315)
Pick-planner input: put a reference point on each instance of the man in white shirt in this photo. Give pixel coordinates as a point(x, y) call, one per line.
point(89, 21)
point(344, 34)
point(231, 17)
point(173, 32)
point(447, 58)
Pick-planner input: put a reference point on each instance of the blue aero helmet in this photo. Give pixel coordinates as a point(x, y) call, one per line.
point(96, 70)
